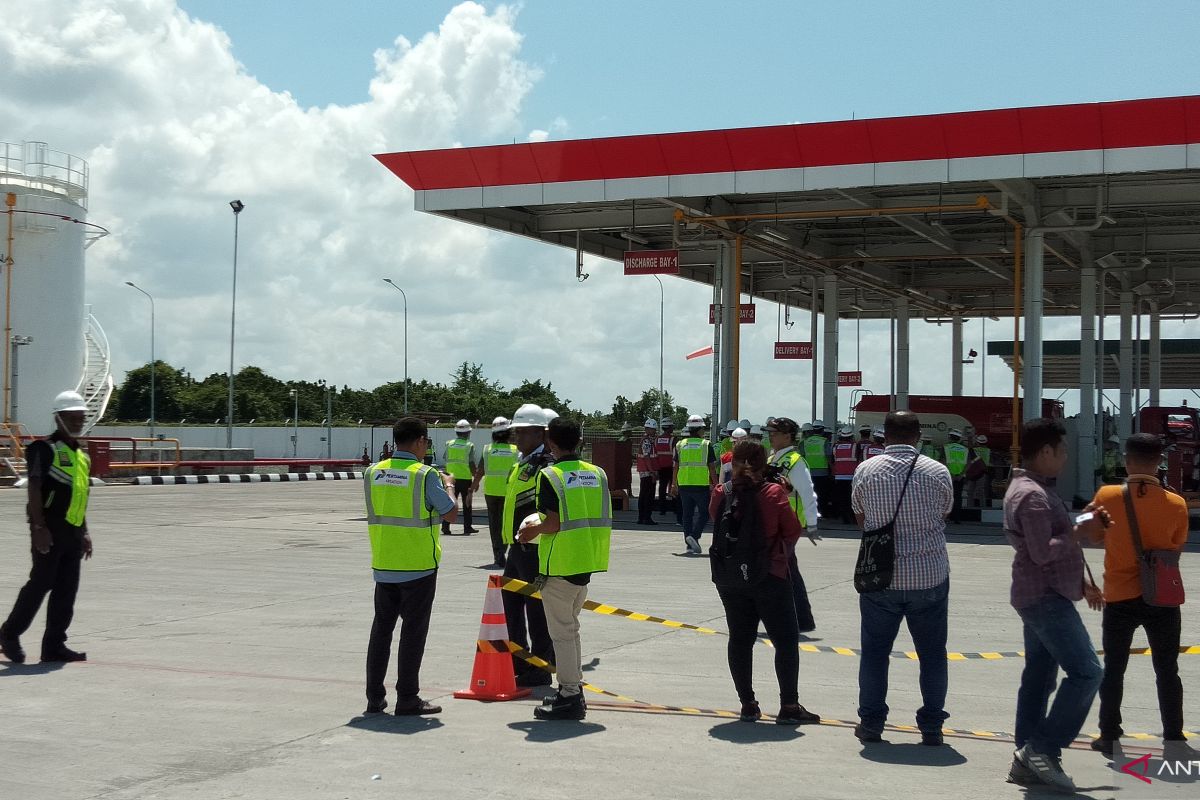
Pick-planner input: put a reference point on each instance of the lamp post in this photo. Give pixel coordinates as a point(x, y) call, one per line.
point(295, 419)
point(17, 342)
point(328, 419)
point(662, 304)
point(237, 206)
point(153, 363)
point(402, 294)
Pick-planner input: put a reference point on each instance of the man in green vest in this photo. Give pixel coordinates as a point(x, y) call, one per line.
point(956, 461)
point(817, 450)
point(526, 616)
point(575, 512)
point(695, 475)
point(59, 475)
point(406, 499)
point(930, 450)
point(498, 459)
point(460, 462)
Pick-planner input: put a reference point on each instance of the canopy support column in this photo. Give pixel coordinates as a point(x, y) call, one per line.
point(1155, 356)
point(1125, 419)
point(956, 356)
point(902, 355)
point(1086, 430)
point(1034, 306)
point(829, 405)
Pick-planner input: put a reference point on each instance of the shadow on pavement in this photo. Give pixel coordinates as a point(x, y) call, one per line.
point(740, 732)
point(555, 730)
point(8, 669)
point(912, 754)
point(390, 723)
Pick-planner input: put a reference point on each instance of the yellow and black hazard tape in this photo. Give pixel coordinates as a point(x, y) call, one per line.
point(522, 587)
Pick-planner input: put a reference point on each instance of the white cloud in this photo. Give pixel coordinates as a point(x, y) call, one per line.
point(174, 128)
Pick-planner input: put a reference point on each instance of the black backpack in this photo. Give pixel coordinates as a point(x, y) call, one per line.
point(739, 556)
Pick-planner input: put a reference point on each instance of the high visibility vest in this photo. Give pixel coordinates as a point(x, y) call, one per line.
point(814, 453)
point(584, 520)
point(929, 451)
point(458, 459)
point(404, 531)
point(518, 491)
point(872, 450)
point(664, 446)
point(956, 458)
point(693, 461)
point(73, 468)
point(844, 460)
point(787, 462)
point(984, 454)
point(498, 460)
point(725, 446)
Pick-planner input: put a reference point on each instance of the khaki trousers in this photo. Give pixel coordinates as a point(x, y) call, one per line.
point(563, 601)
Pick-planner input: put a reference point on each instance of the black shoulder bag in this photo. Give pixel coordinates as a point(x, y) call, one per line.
point(877, 551)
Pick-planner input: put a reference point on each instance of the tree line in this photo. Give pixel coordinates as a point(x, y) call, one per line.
point(267, 400)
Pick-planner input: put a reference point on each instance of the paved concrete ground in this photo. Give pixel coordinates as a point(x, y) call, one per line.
point(226, 627)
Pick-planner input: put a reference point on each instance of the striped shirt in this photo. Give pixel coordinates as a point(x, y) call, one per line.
point(921, 558)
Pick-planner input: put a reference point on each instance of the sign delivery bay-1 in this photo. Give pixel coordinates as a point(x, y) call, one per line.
point(652, 262)
point(798, 350)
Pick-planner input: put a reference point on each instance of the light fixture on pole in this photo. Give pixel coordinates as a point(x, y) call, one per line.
point(402, 294)
point(153, 362)
point(237, 206)
point(295, 419)
point(328, 418)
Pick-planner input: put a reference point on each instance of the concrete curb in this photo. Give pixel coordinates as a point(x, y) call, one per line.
point(286, 477)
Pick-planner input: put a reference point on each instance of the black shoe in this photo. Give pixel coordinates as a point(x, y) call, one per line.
point(445, 530)
point(375, 707)
point(533, 678)
point(865, 736)
point(11, 647)
point(750, 712)
point(570, 706)
point(416, 707)
point(64, 655)
point(932, 738)
point(1102, 745)
point(796, 715)
point(469, 531)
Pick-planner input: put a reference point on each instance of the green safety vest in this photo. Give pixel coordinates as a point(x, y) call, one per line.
point(725, 446)
point(72, 467)
point(956, 459)
point(984, 454)
point(518, 491)
point(584, 520)
point(403, 530)
point(814, 453)
point(929, 451)
point(498, 461)
point(458, 459)
point(787, 463)
point(693, 461)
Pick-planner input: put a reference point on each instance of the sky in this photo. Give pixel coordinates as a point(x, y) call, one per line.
point(180, 107)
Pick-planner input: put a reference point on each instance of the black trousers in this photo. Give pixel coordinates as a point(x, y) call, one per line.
point(666, 503)
point(462, 488)
point(411, 602)
point(1162, 626)
point(841, 500)
point(804, 616)
point(525, 616)
point(495, 513)
point(956, 509)
point(772, 604)
point(823, 486)
point(55, 573)
point(646, 498)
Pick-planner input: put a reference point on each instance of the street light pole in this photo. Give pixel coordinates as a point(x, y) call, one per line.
point(328, 421)
point(402, 294)
point(295, 420)
point(153, 362)
point(237, 206)
point(662, 304)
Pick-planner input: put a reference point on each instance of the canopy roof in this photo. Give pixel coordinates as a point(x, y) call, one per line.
point(1060, 363)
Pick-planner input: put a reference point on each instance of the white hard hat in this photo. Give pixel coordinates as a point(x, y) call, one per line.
point(733, 423)
point(1111, 439)
point(739, 434)
point(981, 439)
point(650, 424)
point(69, 401)
point(744, 424)
point(877, 433)
point(549, 414)
point(806, 427)
point(955, 432)
point(695, 421)
point(529, 415)
point(864, 427)
point(499, 424)
point(666, 423)
point(462, 426)
point(845, 430)
point(818, 425)
point(756, 430)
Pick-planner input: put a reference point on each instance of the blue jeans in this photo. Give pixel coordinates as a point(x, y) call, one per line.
point(694, 500)
point(925, 610)
point(1055, 637)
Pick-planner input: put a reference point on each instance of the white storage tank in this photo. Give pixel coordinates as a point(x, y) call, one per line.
point(56, 348)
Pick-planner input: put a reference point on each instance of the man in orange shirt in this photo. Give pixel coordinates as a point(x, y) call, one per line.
point(1162, 518)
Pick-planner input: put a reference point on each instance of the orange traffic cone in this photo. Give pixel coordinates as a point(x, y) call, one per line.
point(492, 678)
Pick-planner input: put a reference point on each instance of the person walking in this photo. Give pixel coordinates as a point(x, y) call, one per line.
point(979, 473)
point(460, 461)
point(526, 616)
point(59, 479)
point(876, 447)
point(664, 463)
point(647, 473)
point(405, 499)
point(864, 441)
point(574, 532)
point(1161, 524)
point(751, 508)
point(845, 461)
point(818, 455)
point(913, 491)
point(802, 500)
point(929, 449)
point(492, 470)
point(956, 457)
point(1047, 581)
point(693, 479)
point(726, 470)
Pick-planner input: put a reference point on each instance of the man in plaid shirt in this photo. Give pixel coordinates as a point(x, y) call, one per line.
point(920, 588)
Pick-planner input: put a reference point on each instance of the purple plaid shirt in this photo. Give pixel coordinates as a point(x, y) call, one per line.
point(1038, 526)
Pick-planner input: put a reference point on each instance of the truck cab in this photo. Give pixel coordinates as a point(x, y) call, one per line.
point(1180, 428)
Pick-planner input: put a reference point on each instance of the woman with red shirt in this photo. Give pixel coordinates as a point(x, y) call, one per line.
point(769, 602)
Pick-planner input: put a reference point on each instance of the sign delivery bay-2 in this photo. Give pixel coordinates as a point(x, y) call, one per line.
point(652, 262)
point(846, 379)
point(746, 311)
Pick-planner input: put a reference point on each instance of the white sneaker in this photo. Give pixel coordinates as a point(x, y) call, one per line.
point(692, 545)
point(1047, 769)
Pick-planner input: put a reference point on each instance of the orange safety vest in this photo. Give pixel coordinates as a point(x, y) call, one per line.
point(872, 450)
point(844, 460)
